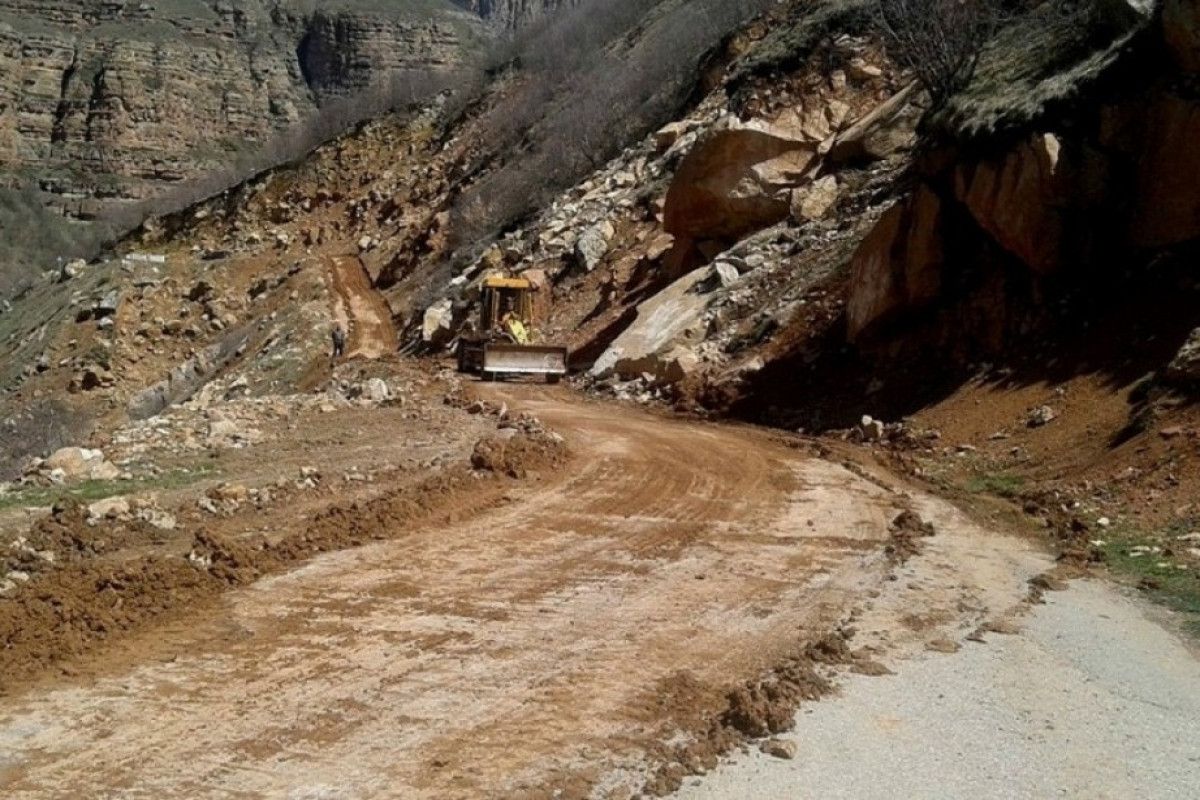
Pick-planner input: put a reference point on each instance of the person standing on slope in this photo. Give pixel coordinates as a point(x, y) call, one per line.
point(339, 341)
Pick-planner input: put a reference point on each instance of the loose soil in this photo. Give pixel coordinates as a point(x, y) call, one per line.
point(602, 627)
point(362, 312)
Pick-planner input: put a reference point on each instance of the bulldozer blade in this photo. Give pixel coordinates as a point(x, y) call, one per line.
point(525, 359)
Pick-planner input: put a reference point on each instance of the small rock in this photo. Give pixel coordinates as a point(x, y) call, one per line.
point(592, 246)
point(229, 491)
point(667, 136)
point(1104, 522)
point(814, 201)
point(1052, 583)
point(862, 71)
point(726, 274)
point(376, 390)
point(1042, 415)
point(158, 518)
point(1002, 626)
point(779, 748)
point(871, 428)
point(109, 508)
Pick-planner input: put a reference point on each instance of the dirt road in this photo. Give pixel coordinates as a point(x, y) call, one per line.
point(360, 310)
point(576, 640)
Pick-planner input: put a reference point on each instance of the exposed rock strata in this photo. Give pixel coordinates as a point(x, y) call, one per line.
point(117, 100)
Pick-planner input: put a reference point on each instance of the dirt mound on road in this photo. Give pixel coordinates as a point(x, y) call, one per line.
point(68, 535)
point(758, 708)
point(906, 532)
point(65, 537)
point(516, 456)
point(75, 606)
point(71, 611)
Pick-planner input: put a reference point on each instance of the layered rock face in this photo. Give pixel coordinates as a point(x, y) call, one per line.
point(512, 14)
point(115, 100)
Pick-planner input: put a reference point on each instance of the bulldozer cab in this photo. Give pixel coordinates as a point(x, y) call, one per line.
point(507, 306)
point(503, 345)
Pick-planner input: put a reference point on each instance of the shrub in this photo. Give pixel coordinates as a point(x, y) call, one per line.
point(939, 40)
point(33, 238)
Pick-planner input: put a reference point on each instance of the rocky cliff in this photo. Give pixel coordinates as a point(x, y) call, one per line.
point(104, 100)
point(512, 14)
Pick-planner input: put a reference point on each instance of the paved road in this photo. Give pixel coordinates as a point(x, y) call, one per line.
point(1092, 700)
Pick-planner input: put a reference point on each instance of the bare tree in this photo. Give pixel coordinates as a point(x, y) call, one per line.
point(939, 40)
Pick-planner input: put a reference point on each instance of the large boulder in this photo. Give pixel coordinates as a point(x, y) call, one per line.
point(81, 463)
point(1167, 206)
point(1181, 30)
point(1021, 200)
point(898, 266)
point(592, 245)
point(737, 181)
point(437, 325)
point(657, 342)
point(1184, 369)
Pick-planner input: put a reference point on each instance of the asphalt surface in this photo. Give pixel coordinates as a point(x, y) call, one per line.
point(1092, 699)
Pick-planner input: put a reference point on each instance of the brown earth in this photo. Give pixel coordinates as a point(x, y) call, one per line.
point(607, 625)
point(362, 312)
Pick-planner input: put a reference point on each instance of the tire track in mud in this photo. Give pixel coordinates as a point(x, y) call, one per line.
point(360, 310)
point(560, 642)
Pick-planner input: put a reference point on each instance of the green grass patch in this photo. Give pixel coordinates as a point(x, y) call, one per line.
point(1151, 563)
point(91, 491)
point(1001, 484)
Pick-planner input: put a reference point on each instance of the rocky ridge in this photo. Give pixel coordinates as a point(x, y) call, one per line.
point(99, 101)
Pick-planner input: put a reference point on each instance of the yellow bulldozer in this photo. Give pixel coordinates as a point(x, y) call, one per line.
point(502, 342)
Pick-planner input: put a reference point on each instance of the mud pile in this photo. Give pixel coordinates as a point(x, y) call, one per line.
point(906, 532)
point(760, 707)
point(520, 446)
